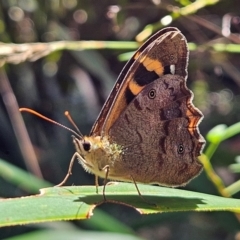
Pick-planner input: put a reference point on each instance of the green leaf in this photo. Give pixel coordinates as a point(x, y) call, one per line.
point(65, 203)
point(221, 132)
point(232, 131)
point(21, 178)
point(216, 134)
point(235, 167)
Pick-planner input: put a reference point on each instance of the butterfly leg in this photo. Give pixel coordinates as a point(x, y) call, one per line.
point(96, 183)
point(75, 156)
point(106, 169)
point(140, 195)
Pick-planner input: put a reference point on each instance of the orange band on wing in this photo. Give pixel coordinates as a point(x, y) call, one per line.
point(194, 118)
point(134, 87)
point(152, 65)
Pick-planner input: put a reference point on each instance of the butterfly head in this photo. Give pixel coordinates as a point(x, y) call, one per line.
point(95, 153)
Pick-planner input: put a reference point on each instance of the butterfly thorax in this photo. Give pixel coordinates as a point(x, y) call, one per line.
point(97, 153)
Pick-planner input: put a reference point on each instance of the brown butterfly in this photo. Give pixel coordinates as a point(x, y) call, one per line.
point(147, 131)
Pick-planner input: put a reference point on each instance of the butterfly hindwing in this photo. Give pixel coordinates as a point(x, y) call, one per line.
point(154, 132)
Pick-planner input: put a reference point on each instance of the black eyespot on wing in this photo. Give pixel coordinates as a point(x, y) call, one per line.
point(152, 94)
point(180, 149)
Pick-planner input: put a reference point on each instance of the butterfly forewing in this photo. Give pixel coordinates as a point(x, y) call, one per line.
point(165, 52)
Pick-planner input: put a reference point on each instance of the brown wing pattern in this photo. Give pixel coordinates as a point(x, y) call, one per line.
point(165, 52)
point(159, 134)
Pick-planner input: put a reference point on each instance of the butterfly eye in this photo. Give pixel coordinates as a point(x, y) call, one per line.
point(180, 149)
point(152, 94)
point(86, 146)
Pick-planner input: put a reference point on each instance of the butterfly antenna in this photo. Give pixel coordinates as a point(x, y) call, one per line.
point(67, 114)
point(50, 120)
